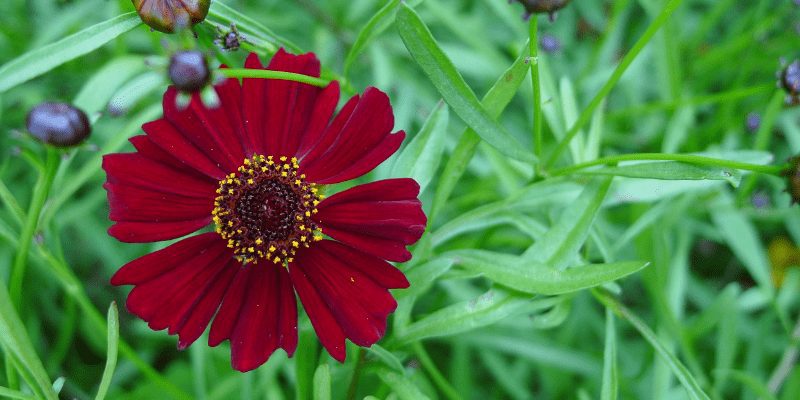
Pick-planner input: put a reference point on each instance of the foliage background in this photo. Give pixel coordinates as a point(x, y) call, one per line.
point(707, 317)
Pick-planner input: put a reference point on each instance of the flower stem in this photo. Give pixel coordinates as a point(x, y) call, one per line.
point(536, 85)
point(353, 388)
point(686, 158)
point(269, 74)
point(40, 192)
point(586, 115)
point(441, 382)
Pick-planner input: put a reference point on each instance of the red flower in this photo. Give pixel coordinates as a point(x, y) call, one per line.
point(255, 168)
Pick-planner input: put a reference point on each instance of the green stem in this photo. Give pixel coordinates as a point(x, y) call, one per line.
point(353, 388)
point(586, 115)
point(40, 192)
point(763, 137)
point(686, 158)
point(430, 367)
point(269, 74)
point(537, 87)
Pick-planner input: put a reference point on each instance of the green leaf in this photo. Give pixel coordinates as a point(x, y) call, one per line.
point(133, 91)
point(111, 355)
point(374, 27)
point(98, 90)
point(451, 85)
point(487, 309)
point(387, 357)
point(495, 101)
point(228, 15)
point(420, 159)
point(404, 388)
point(670, 170)
point(536, 278)
point(322, 383)
point(13, 394)
point(688, 381)
point(610, 387)
point(561, 243)
point(43, 59)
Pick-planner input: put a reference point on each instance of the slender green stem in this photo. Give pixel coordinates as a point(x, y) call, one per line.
point(269, 74)
point(720, 97)
point(586, 115)
point(430, 367)
point(353, 388)
point(536, 85)
point(40, 192)
point(686, 158)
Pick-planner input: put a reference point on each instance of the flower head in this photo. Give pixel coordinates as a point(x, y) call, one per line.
point(256, 169)
point(58, 124)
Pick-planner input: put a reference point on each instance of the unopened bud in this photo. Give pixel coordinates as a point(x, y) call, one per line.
point(58, 124)
point(169, 16)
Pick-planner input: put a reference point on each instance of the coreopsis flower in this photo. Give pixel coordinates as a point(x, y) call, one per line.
point(256, 169)
point(58, 124)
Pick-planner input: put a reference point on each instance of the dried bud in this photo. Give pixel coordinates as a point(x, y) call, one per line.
point(188, 70)
point(543, 6)
point(169, 16)
point(58, 124)
point(792, 174)
point(790, 82)
point(230, 40)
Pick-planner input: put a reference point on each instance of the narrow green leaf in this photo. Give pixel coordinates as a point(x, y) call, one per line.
point(228, 15)
point(536, 278)
point(487, 309)
point(495, 101)
point(670, 170)
point(560, 244)
point(404, 388)
point(322, 383)
point(756, 386)
point(688, 381)
point(374, 27)
point(387, 357)
point(420, 159)
point(111, 355)
point(43, 59)
point(133, 91)
point(451, 85)
point(610, 387)
point(13, 394)
point(97, 91)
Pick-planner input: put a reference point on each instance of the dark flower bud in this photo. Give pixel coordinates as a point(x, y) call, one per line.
point(230, 40)
point(171, 15)
point(752, 122)
point(58, 124)
point(188, 70)
point(792, 174)
point(543, 6)
point(789, 80)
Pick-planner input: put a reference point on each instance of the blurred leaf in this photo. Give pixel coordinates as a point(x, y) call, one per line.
point(37, 62)
point(420, 159)
point(387, 357)
point(670, 170)
point(133, 91)
point(537, 278)
point(13, 394)
point(569, 106)
point(610, 386)
point(322, 383)
point(111, 356)
point(374, 27)
point(487, 309)
point(495, 101)
point(97, 91)
point(244, 23)
point(748, 381)
point(445, 77)
point(559, 245)
point(688, 381)
point(401, 385)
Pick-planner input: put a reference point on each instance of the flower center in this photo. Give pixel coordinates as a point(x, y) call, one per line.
point(264, 210)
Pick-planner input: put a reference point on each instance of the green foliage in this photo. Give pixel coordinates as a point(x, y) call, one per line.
point(601, 223)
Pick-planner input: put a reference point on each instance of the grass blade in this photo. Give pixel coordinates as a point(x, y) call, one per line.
point(420, 159)
point(113, 347)
point(374, 27)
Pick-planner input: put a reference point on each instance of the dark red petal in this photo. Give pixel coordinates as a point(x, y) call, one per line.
point(130, 203)
point(146, 148)
point(157, 263)
point(258, 315)
point(380, 218)
point(167, 136)
point(145, 232)
point(289, 104)
point(320, 117)
point(230, 97)
point(329, 135)
point(254, 105)
point(363, 142)
point(344, 292)
point(132, 169)
point(181, 286)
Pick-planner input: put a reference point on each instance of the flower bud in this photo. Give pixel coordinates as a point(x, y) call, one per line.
point(790, 82)
point(58, 124)
point(169, 16)
point(188, 70)
point(543, 6)
point(230, 40)
point(792, 174)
